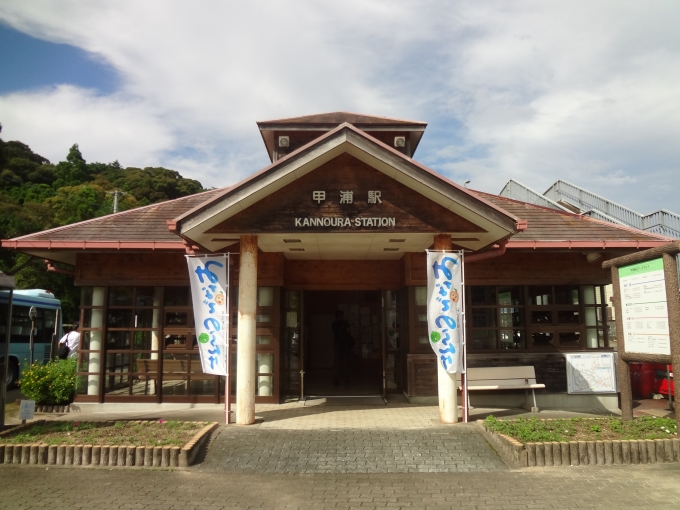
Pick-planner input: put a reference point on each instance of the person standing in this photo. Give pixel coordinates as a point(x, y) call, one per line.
point(71, 340)
point(342, 347)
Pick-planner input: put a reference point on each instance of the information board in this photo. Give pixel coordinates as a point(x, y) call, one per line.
point(26, 409)
point(644, 309)
point(591, 372)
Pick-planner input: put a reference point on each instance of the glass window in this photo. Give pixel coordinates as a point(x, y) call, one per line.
point(483, 317)
point(511, 317)
point(146, 296)
point(512, 339)
point(120, 296)
point(542, 317)
point(265, 296)
point(176, 319)
point(543, 339)
point(421, 296)
point(263, 340)
point(177, 296)
point(570, 339)
point(484, 339)
point(483, 295)
point(571, 317)
point(566, 295)
point(508, 296)
point(540, 296)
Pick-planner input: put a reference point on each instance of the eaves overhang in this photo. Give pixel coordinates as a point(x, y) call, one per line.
point(583, 245)
point(65, 251)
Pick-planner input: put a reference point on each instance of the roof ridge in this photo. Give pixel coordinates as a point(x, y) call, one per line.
point(338, 112)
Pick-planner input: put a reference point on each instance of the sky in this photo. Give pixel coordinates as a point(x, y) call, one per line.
point(583, 91)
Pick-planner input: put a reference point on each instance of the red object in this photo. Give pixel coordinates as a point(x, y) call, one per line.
point(642, 379)
point(661, 380)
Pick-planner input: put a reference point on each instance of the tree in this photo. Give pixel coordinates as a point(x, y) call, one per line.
point(36, 195)
point(73, 171)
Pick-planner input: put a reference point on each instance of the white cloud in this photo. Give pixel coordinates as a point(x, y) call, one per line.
point(536, 91)
point(105, 127)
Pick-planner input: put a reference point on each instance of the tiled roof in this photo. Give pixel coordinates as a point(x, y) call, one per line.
point(339, 117)
point(551, 225)
point(148, 224)
point(142, 224)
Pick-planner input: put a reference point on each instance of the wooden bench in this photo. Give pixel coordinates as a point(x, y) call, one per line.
point(504, 378)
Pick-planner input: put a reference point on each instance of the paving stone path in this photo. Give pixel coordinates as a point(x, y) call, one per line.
point(441, 450)
point(343, 459)
point(586, 487)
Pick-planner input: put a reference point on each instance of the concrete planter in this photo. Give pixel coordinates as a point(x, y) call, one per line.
point(581, 453)
point(88, 455)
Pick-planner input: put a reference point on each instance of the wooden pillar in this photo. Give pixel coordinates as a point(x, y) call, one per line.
point(247, 322)
point(622, 367)
point(673, 299)
point(446, 383)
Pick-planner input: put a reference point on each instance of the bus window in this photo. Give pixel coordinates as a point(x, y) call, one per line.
point(46, 324)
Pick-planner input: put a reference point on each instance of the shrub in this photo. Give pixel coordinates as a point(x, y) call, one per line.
point(51, 383)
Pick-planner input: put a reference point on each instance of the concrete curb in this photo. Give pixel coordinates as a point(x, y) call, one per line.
point(89, 455)
point(52, 409)
point(581, 453)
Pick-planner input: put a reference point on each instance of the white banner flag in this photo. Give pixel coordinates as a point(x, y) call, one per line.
point(444, 305)
point(210, 296)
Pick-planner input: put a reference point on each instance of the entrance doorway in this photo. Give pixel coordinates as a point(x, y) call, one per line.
point(363, 373)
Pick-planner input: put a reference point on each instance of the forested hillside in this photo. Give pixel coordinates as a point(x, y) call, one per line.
point(36, 195)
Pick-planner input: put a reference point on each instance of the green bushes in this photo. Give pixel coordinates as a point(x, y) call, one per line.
point(51, 383)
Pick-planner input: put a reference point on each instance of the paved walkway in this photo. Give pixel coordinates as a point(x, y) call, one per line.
point(587, 487)
point(441, 450)
point(328, 456)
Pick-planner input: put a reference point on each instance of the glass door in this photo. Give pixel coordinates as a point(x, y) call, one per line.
point(392, 335)
point(292, 345)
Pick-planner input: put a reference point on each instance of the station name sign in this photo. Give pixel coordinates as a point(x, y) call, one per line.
point(346, 197)
point(359, 221)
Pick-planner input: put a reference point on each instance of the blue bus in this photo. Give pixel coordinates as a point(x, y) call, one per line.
point(47, 327)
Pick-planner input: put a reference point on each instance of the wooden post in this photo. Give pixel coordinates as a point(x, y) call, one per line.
point(670, 269)
point(246, 347)
point(446, 383)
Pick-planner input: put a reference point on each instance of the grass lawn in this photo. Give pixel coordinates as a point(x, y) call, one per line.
point(11, 409)
point(131, 433)
point(533, 430)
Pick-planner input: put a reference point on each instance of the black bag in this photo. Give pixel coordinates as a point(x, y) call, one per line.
point(63, 351)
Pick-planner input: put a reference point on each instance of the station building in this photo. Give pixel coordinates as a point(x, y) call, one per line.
point(340, 220)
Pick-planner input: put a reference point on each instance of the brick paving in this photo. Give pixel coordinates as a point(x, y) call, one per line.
point(314, 457)
point(442, 449)
point(606, 487)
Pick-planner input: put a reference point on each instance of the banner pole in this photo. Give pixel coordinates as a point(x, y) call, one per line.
point(227, 379)
point(444, 310)
point(463, 331)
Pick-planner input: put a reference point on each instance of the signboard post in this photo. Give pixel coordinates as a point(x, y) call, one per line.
point(26, 410)
point(209, 278)
point(647, 304)
point(445, 315)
